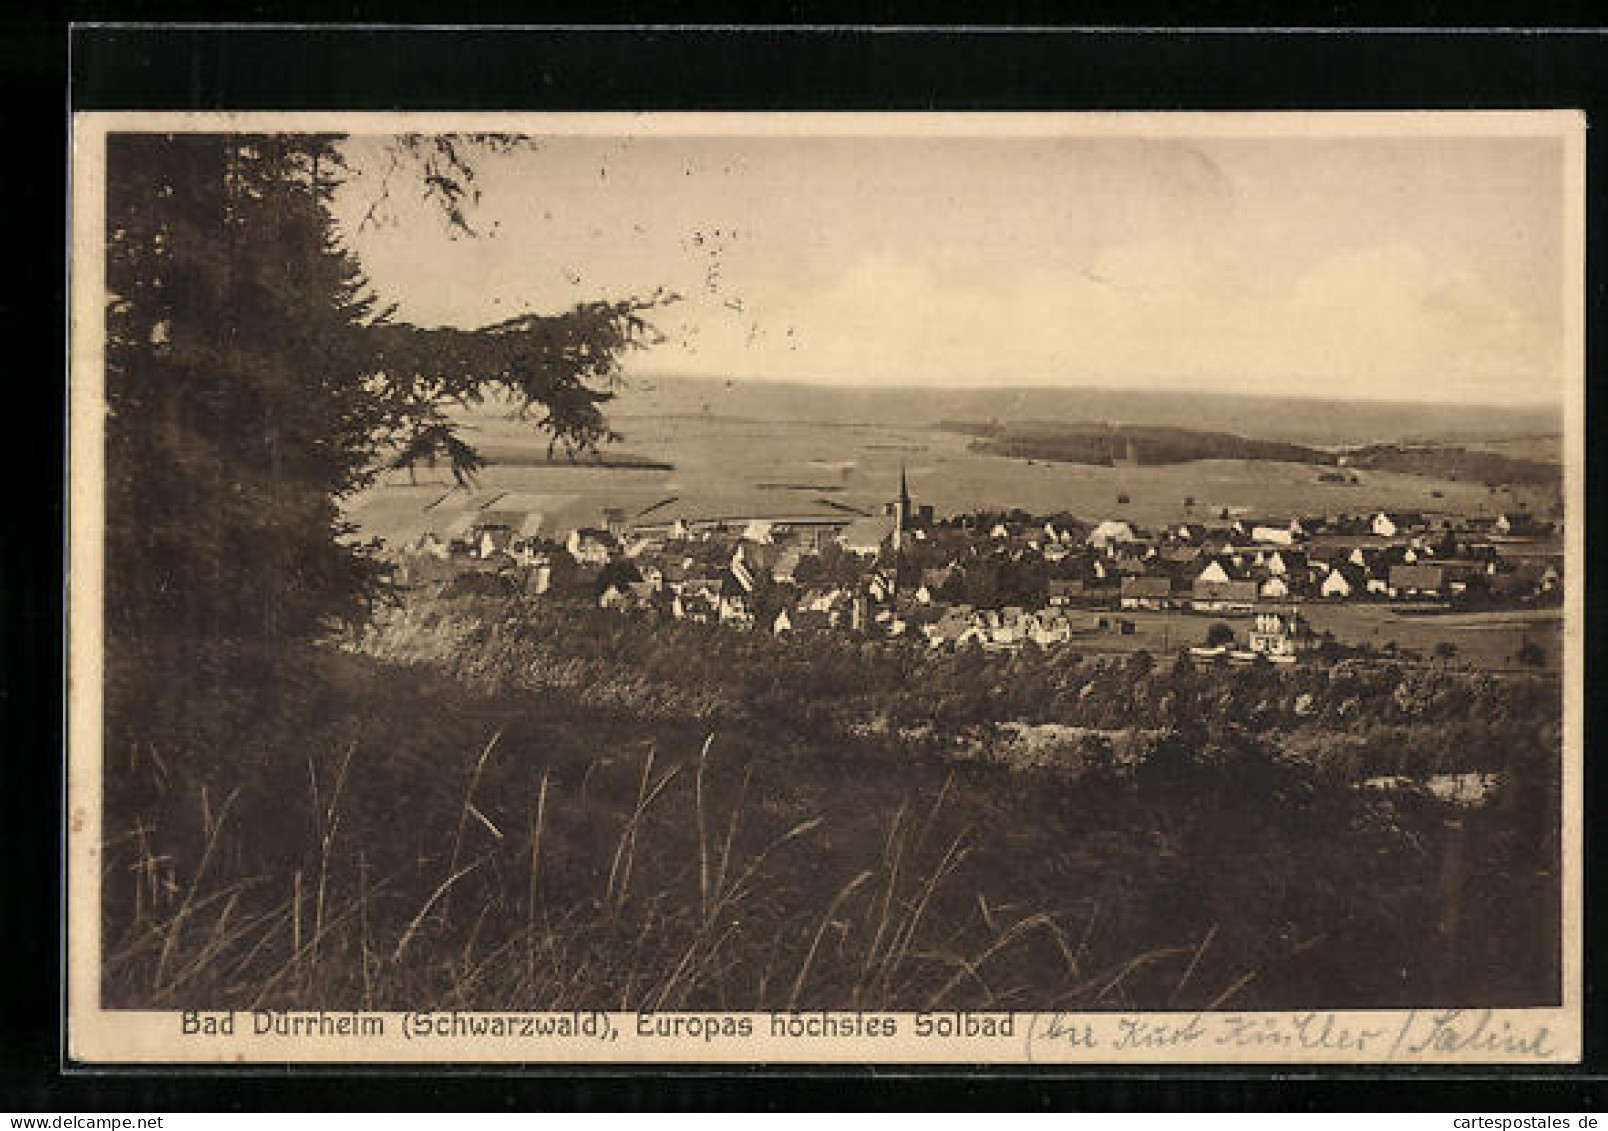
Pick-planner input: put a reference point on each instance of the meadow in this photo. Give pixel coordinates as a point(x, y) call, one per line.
point(753, 465)
point(1489, 641)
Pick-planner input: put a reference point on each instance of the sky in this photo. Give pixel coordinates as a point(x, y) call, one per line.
point(1382, 268)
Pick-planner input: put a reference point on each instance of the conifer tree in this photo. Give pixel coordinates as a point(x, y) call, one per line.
point(253, 382)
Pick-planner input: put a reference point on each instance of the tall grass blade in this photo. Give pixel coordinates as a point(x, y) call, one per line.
point(446, 884)
point(820, 930)
point(177, 923)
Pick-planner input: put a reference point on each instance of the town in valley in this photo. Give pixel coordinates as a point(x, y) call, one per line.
point(1220, 581)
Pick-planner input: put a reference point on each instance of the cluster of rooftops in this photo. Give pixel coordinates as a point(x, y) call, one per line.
point(998, 579)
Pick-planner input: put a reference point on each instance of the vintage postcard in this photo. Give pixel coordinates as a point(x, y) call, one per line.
point(929, 588)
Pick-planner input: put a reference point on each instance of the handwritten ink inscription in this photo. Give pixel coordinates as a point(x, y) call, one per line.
point(1316, 1034)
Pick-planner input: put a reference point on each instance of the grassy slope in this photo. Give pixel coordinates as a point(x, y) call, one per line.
point(462, 818)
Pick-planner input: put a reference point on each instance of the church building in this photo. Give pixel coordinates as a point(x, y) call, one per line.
point(907, 518)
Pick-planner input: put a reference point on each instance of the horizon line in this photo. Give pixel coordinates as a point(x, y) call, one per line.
point(1558, 405)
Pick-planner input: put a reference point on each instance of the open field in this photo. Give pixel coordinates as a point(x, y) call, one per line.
point(1484, 640)
point(1542, 449)
point(758, 463)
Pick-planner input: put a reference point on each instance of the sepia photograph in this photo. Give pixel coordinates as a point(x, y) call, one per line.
point(942, 587)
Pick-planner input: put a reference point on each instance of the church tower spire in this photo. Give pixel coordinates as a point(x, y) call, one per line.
point(901, 511)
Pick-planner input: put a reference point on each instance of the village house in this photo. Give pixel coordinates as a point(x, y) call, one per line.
point(487, 532)
point(1281, 637)
point(1373, 566)
point(957, 625)
point(696, 605)
point(1180, 555)
point(1060, 533)
point(881, 585)
point(1127, 561)
point(1049, 628)
point(865, 536)
point(1519, 525)
point(1281, 561)
point(590, 546)
point(735, 607)
point(1112, 532)
point(1393, 524)
point(742, 573)
point(1270, 534)
point(1220, 571)
point(627, 596)
point(1146, 593)
point(706, 587)
point(1461, 574)
point(1551, 575)
point(821, 599)
point(1237, 596)
point(1343, 581)
point(1417, 581)
point(1275, 588)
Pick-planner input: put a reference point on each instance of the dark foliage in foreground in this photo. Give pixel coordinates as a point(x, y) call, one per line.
point(507, 821)
point(253, 382)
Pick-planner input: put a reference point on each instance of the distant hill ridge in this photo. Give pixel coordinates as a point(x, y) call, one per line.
point(1316, 423)
point(1110, 444)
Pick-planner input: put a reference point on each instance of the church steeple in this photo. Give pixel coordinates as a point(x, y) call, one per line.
point(901, 511)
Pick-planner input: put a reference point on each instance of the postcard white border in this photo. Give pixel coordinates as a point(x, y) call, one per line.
point(111, 1036)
